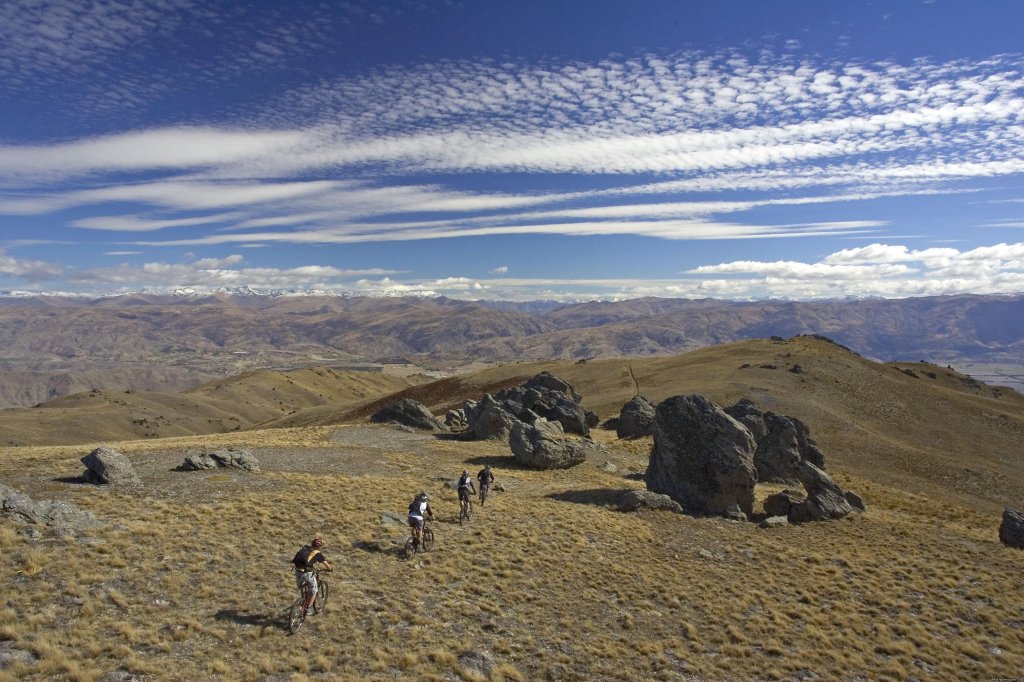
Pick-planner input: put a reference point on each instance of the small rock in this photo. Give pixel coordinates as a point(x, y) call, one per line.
point(608, 467)
point(774, 521)
point(11, 655)
point(392, 519)
point(645, 499)
point(855, 500)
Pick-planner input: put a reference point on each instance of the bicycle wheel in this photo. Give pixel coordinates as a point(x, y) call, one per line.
point(320, 601)
point(428, 539)
point(483, 495)
point(463, 515)
point(296, 616)
point(409, 549)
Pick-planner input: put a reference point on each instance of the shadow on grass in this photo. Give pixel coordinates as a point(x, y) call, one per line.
point(254, 619)
point(598, 497)
point(497, 461)
point(638, 476)
point(73, 480)
point(382, 547)
point(464, 436)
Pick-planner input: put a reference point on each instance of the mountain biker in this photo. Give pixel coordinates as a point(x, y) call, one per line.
point(305, 577)
point(465, 489)
point(486, 477)
point(420, 506)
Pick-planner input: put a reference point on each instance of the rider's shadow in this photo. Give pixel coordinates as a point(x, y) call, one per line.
point(252, 619)
point(385, 547)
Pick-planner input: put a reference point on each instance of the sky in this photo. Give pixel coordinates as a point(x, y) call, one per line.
point(520, 150)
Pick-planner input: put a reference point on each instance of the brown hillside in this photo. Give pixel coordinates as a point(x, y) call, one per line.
point(231, 404)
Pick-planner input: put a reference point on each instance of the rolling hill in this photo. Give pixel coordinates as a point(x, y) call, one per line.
point(50, 347)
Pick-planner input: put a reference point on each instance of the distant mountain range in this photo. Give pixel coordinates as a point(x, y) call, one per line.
point(51, 345)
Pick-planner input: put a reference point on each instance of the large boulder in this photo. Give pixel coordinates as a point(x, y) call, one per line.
point(782, 441)
point(108, 466)
point(237, 458)
point(808, 447)
point(455, 420)
point(702, 458)
point(408, 412)
point(636, 418)
point(1011, 530)
point(549, 382)
point(825, 499)
point(543, 445)
point(18, 505)
point(489, 420)
point(780, 504)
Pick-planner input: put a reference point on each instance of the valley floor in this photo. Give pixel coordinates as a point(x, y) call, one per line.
point(191, 578)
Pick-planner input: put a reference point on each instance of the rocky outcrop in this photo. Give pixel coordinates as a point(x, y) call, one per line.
point(545, 395)
point(489, 420)
point(16, 504)
point(636, 418)
point(408, 412)
point(702, 458)
point(543, 445)
point(1011, 530)
point(236, 458)
point(109, 467)
point(782, 442)
point(824, 498)
point(645, 499)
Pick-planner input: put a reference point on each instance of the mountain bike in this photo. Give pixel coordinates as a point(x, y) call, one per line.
point(297, 614)
point(465, 510)
point(428, 542)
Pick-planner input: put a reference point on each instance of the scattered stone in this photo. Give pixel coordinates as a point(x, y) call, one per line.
point(498, 487)
point(796, 369)
point(478, 662)
point(543, 445)
point(237, 458)
point(54, 513)
point(608, 467)
point(197, 462)
point(120, 676)
point(11, 655)
point(408, 412)
point(855, 500)
point(1011, 530)
point(392, 519)
point(636, 418)
point(109, 467)
point(645, 499)
point(774, 522)
point(702, 458)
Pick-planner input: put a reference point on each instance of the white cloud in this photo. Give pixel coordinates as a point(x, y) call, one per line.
point(500, 270)
point(32, 270)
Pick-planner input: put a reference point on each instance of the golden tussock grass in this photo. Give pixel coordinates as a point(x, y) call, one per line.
point(191, 578)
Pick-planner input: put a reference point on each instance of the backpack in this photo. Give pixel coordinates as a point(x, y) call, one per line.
point(303, 557)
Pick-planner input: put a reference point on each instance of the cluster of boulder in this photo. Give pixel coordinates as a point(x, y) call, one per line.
point(237, 458)
point(709, 459)
point(535, 417)
point(545, 396)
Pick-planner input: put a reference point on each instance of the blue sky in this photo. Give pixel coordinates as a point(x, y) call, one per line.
point(513, 150)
